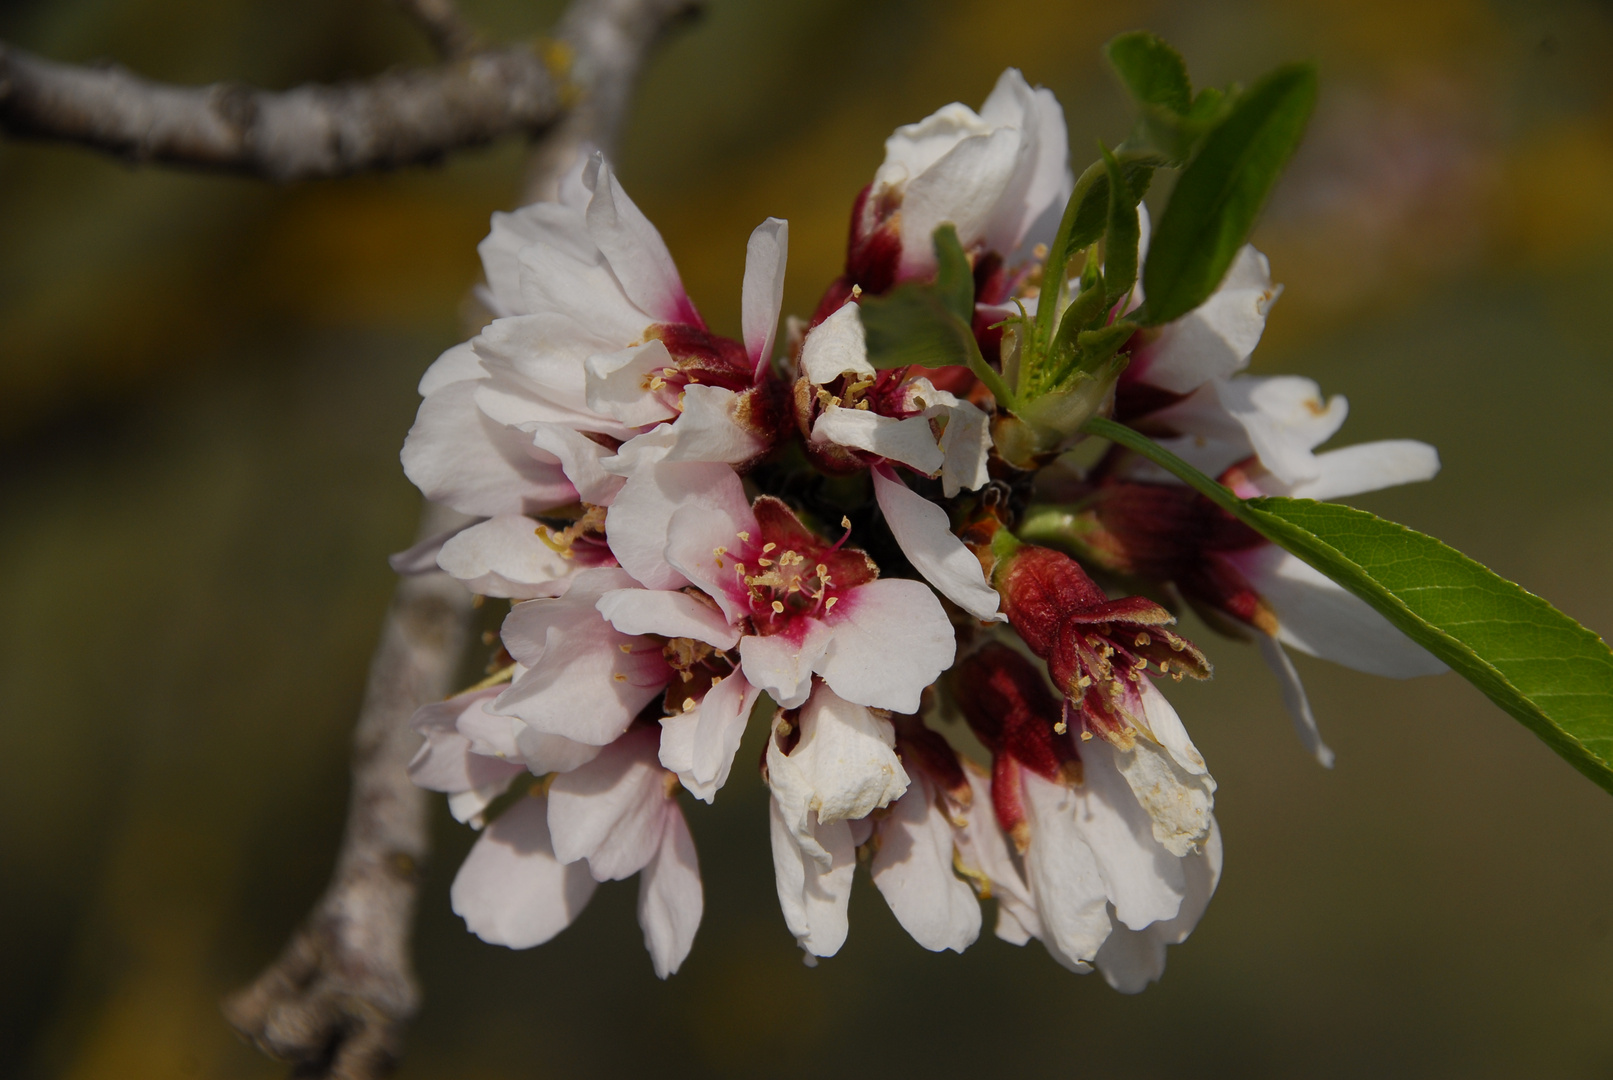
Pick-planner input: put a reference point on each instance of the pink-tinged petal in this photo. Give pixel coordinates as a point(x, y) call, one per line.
point(458, 364)
point(702, 541)
point(580, 457)
point(1071, 898)
point(457, 455)
point(637, 524)
point(983, 852)
point(503, 556)
point(1318, 616)
point(699, 745)
point(843, 766)
point(421, 557)
point(611, 811)
point(891, 640)
point(501, 258)
point(965, 188)
point(510, 890)
point(669, 614)
point(545, 753)
point(1143, 881)
point(618, 384)
point(670, 898)
point(1295, 700)
point(1131, 959)
point(1214, 340)
point(912, 867)
point(638, 256)
point(1352, 470)
point(762, 294)
point(909, 441)
point(782, 664)
point(446, 761)
point(488, 733)
point(924, 534)
point(837, 346)
point(585, 679)
point(813, 897)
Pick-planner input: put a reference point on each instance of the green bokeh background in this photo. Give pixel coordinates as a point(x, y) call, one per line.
point(204, 383)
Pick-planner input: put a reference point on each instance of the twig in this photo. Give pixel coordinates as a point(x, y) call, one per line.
point(441, 21)
point(400, 118)
point(337, 1000)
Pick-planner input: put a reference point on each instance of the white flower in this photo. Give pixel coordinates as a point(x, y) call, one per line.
point(1001, 176)
point(809, 607)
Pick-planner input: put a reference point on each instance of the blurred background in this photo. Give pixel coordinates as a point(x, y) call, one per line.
point(204, 383)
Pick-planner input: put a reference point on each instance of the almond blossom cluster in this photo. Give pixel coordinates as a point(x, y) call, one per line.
point(954, 649)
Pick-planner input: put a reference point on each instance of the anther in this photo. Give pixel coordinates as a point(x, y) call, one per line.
point(778, 607)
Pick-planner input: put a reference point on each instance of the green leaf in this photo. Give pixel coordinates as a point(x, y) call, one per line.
point(1091, 196)
point(931, 325)
point(1548, 671)
point(1120, 237)
point(1152, 71)
point(1221, 190)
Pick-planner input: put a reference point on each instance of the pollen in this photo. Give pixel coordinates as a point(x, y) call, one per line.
point(856, 291)
point(829, 603)
point(625, 648)
point(619, 677)
point(688, 703)
point(1144, 639)
point(1086, 736)
point(778, 607)
point(764, 562)
point(845, 522)
point(1061, 727)
point(768, 547)
point(745, 536)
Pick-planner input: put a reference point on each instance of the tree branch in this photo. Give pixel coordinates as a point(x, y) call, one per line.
point(400, 118)
point(337, 1000)
point(441, 21)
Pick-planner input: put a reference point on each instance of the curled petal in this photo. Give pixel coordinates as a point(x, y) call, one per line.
point(762, 294)
point(837, 346)
point(511, 890)
point(504, 556)
point(925, 536)
point(670, 898)
point(610, 811)
point(912, 868)
point(813, 894)
point(699, 745)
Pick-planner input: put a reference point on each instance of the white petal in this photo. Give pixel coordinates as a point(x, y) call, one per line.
point(1372, 466)
point(456, 365)
point(618, 384)
point(421, 556)
point(762, 295)
point(546, 753)
point(912, 868)
point(912, 148)
point(891, 640)
point(446, 761)
point(1143, 881)
point(909, 441)
point(701, 540)
point(669, 614)
point(1178, 802)
point(670, 899)
point(925, 536)
point(1071, 898)
point(1215, 339)
point(782, 664)
point(611, 810)
point(638, 256)
point(1131, 959)
point(983, 849)
point(1047, 168)
point(456, 454)
point(1166, 729)
point(1318, 616)
point(708, 429)
point(539, 365)
point(837, 346)
point(510, 890)
point(567, 274)
point(503, 556)
point(964, 445)
point(813, 897)
point(966, 187)
point(586, 680)
point(637, 524)
point(842, 767)
point(699, 745)
point(1295, 700)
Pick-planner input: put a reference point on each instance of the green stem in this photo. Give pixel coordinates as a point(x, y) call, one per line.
point(1148, 448)
point(994, 382)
